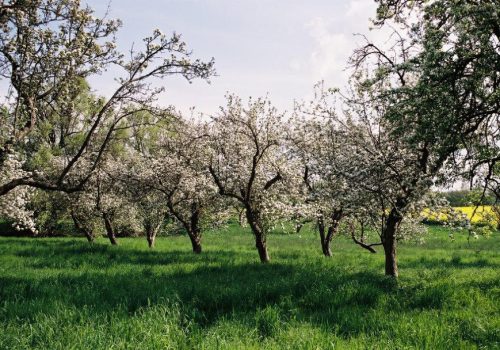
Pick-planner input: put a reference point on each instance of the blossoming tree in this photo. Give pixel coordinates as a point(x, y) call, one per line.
point(250, 163)
point(47, 48)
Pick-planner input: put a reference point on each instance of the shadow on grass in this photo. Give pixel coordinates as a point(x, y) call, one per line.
point(73, 254)
point(453, 263)
point(207, 294)
point(209, 287)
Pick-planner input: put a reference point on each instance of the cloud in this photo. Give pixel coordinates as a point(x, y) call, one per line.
point(295, 65)
point(360, 9)
point(333, 40)
point(330, 53)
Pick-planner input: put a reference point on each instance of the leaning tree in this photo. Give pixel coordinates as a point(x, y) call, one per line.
point(424, 99)
point(48, 48)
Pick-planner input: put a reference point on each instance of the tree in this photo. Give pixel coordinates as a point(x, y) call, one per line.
point(50, 211)
point(172, 177)
point(109, 201)
point(430, 92)
point(393, 176)
point(104, 201)
point(13, 204)
point(250, 163)
point(47, 48)
point(319, 144)
point(138, 180)
point(82, 212)
point(190, 195)
point(151, 212)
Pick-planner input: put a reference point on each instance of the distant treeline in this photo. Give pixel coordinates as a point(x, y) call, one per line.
point(466, 198)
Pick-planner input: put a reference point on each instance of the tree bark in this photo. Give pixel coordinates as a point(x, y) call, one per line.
point(109, 229)
point(298, 227)
point(389, 242)
point(241, 217)
point(81, 228)
point(88, 234)
point(391, 264)
point(151, 232)
point(326, 234)
point(191, 223)
point(260, 237)
point(151, 240)
point(325, 244)
point(261, 245)
point(195, 238)
point(194, 229)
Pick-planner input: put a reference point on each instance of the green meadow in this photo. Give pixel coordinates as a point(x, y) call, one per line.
point(64, 293)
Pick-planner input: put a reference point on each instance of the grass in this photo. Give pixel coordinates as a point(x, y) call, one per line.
point(62, 293)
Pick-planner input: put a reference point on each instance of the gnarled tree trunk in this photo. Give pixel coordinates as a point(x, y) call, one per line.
point(241, 217)
point(151, 232)
point(195, 238)
point(325, 244)
point(260, 237)
point(151, 236)
point(389, 242)
point(326, 234)
point(261, 245)
point(82, 229)
point(110, 231)
point(191, 224)
point(298, 227)
point(151, 240)
point(89, 235)
point(194, 229)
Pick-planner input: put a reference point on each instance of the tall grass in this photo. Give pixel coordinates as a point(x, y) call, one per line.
point(63, 293)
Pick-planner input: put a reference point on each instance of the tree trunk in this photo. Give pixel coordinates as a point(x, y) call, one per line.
point(298, 227)
point(389, 243)
point(261, 245)
point(241, 217)
point(260, 237)
point(326, 235)
point(194, 229)
point(391, 264)
point(151, 232)
point(195, 238)
point(109, 229)
point(81, 228)
point(325, 246)
point(151, 240)
point(88, 234)
point(325, 243)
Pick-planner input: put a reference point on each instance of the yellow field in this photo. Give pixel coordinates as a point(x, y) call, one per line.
point(483, 213)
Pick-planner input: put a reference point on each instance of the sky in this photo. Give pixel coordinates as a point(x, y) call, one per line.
point(279, 48)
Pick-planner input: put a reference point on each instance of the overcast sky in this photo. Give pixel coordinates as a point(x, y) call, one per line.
point(276, 47)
